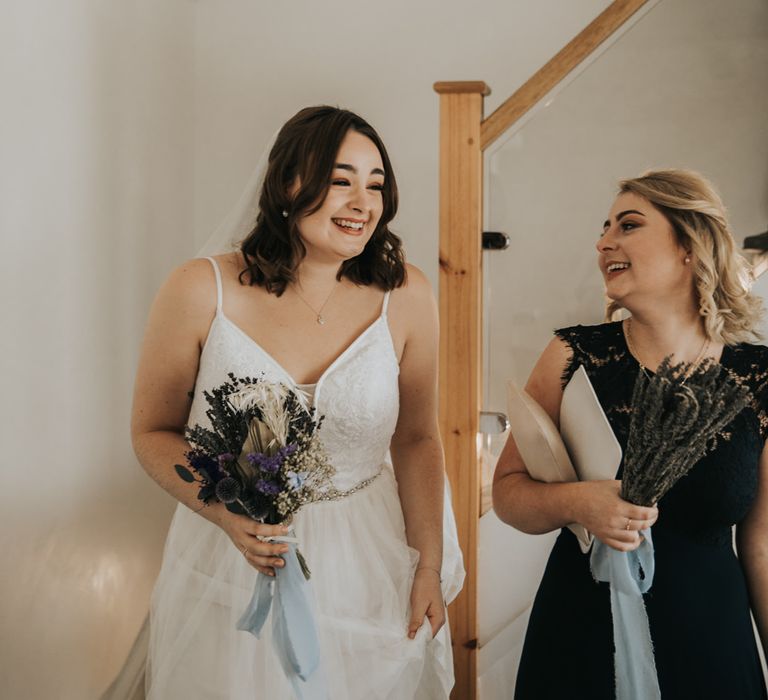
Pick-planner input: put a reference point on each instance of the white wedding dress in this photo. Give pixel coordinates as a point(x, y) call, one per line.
point(362, 568)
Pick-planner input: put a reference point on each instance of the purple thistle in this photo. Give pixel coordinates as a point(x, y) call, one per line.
point(228, 490)
point(226, 457)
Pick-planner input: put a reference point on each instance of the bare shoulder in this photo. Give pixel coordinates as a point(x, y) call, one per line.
point(188, 295)
point(416, 290)
point(416, 279)
point(552, 360)
point(193, 281)
point(230, 264)
point(413, 314)
point(544, 384)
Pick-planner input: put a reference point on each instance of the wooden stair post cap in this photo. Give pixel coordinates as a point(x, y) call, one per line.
point(461, 86)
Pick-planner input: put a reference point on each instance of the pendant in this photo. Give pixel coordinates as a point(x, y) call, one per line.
point(320, 320)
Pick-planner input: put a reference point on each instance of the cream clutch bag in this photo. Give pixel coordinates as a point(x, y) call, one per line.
point(584, 448)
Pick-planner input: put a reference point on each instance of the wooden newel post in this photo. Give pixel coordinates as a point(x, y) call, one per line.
point(461, 204)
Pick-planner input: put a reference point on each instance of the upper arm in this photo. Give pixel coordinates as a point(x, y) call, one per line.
point(178, 323)
point(416, 310)
point(544, 386)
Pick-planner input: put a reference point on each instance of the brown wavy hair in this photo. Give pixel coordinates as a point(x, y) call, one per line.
point(722, 277)
point(305, 151)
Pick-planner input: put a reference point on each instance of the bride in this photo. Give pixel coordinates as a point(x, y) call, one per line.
point(318, 297)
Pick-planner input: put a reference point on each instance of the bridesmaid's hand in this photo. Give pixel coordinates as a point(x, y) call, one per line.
point(426, 601)
point(611, 519)
point(246, 535)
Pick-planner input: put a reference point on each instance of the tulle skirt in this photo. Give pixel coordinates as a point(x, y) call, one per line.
point(362, 571)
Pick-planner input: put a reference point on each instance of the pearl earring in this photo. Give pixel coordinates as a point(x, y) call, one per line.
point(285, 213)
point(687, 259)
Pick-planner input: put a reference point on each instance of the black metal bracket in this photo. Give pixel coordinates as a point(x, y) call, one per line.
point(757, 242)
point(495, 240)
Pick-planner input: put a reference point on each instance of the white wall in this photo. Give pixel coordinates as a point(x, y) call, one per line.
point(96, 152)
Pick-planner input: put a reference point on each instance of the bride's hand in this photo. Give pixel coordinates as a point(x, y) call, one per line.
point(245, 534)
point(610, 518)
point(426, 601)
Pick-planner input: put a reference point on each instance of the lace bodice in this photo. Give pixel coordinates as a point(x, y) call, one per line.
point(357, 394)
point(719, 490)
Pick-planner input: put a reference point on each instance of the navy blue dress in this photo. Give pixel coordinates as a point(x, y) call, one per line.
point(698, 607)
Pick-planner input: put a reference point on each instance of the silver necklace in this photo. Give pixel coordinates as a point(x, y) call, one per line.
point(318, 312)
point(633, 352)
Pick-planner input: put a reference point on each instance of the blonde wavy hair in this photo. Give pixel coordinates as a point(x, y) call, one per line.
point(722, 276)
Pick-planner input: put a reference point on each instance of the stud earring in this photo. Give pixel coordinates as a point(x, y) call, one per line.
point(687, 259)
point(285, 213)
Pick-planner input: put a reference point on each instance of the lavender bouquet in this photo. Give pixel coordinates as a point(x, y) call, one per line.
point(677, 413)
point(262, 457)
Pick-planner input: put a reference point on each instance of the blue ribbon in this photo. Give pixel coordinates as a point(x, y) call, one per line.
point(294, 632)
point(630, 574)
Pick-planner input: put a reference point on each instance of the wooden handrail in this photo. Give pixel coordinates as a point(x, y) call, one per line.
point(549, 75)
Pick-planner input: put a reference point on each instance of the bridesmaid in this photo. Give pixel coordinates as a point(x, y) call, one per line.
point(668, 258)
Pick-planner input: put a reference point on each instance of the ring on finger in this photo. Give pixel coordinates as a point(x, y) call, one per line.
point(629, 523)
point(245, 552)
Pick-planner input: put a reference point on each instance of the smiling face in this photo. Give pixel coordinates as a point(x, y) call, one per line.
point(348, 216)
point(640, 256)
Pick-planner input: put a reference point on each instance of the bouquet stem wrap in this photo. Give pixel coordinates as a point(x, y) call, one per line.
point(630, 574)
point(294, 633)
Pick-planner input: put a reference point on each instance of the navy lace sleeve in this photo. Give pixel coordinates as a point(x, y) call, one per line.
point(750, 366)
point(571, 336)
point(596, 348)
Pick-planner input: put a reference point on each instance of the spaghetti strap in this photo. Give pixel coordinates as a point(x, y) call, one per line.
point(219, 294)
point(385, 304)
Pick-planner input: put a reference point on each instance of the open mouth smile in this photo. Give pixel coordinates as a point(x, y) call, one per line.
point(616, 268)
point(350, 226)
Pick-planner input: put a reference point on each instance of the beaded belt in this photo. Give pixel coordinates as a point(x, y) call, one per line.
point(336, 494)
